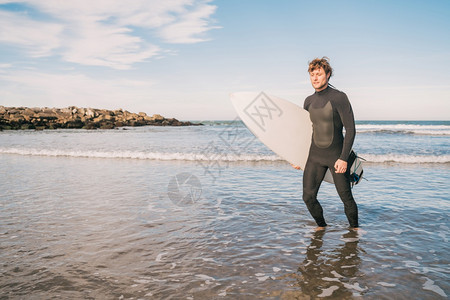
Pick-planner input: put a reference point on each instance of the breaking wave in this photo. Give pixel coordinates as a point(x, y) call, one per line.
point(404, 129)
point(224, 157)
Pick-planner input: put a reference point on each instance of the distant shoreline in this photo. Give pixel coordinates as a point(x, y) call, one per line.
point(39, 118)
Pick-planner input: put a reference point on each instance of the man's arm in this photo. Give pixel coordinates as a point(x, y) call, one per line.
point(346, 113)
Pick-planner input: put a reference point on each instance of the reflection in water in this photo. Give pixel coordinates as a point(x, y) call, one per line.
point(324, 273)
point(106, 229)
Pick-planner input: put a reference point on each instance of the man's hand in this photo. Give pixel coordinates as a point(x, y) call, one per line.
point(340, 166)
point(295, 167)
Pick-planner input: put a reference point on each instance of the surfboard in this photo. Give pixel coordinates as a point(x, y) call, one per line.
point(284, 127)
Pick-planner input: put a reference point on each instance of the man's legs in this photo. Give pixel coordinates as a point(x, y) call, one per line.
point(344, 190)
point(312, 178)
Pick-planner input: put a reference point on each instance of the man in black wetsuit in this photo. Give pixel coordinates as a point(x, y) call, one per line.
point(330, 111)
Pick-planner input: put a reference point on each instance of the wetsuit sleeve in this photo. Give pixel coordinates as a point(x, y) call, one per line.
point(346, 113)
point(306, 103)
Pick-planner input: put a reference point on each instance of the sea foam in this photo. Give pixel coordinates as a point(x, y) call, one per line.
point(404, 129)
point(219, 157)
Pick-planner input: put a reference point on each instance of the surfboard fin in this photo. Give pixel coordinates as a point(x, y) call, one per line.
point(356, 168)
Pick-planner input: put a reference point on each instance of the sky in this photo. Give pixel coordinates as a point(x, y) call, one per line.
point(183, 58)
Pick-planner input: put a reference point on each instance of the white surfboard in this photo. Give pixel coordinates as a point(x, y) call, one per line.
point(282, 126)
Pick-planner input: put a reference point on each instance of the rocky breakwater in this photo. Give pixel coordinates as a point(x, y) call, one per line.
point(75, 117)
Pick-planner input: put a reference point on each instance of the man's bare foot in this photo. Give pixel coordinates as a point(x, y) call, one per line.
point(354, 228)
point(319, 228)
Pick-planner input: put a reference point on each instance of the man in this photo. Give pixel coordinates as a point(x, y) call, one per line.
point(330, 111)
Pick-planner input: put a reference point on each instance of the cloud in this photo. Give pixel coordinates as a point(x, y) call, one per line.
point(36, 37)
point(190, 27)
point(5, 66)
point(33, 88)
point(114, 34)
point(100, 45)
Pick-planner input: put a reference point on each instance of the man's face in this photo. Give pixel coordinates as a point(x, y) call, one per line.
point(319, 79)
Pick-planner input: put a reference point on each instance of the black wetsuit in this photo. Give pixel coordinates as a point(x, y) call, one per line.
point(329, 111)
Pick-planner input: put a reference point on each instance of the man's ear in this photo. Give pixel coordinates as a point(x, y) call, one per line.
point(328, 76)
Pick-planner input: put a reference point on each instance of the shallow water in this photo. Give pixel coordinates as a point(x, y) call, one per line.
point(109, 228)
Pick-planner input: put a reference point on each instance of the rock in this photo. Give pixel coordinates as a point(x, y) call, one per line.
point(74, 117)
point(13, 111)
point(90, 113)
point(47, 115)
point(157, 117)
point(90, 125)
point(27, 126)
point(176, 123)
point(107, 125)
point(67, 110)
point(74, 124)
point(99, 118)
point(47, 111)
point(28, 112)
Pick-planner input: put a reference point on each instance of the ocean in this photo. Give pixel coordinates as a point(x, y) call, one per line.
point(208, 212)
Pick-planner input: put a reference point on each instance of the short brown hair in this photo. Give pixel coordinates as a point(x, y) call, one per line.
point(323, 63)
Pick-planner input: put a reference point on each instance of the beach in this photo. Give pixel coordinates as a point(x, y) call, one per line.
point(207, 212)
